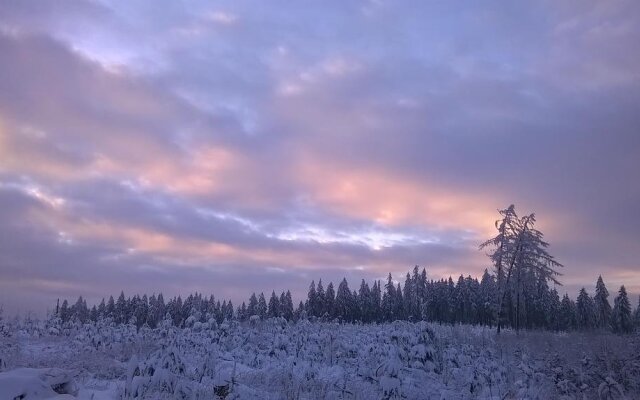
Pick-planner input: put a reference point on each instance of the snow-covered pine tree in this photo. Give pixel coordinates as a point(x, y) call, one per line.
point(261, 308)
point(602, 306)
point(274, 306)
point(330, 299)
point(399, 306)
point(621, 316)
point(320, 300)
point(637, 315)
point(287, 306)
point(375, 302)
point(344, 301)
point(242, 312)
point(102, 309)
point(252, 308)
point(585, 310)
point(111, 308)
point(64, 311)
point(487, 299)
point(553, 316)
point(121, 309)
point(567, 315)
point(409, 293)
point(388, 300)
point(364, 302)
point(312, 299)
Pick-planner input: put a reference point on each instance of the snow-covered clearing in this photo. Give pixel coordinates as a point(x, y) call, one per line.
point(274, 359)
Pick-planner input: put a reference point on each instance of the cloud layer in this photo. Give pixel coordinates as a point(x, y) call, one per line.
point(253, 146)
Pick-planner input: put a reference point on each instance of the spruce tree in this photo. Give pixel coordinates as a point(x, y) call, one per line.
point(320, 300)
point(364, 302)
point(602, 306)
point(274, 306)
point(261, 308)
point(344, 301)
point(637, 315)
point(621, 317)
point(585, 311)
point(388, 300)
point(567, 317)
point(312, 300)
point(252, 308)
point(330, 299)
point(286, 305)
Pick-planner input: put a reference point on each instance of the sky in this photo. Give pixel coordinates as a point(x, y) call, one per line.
point(236, 146)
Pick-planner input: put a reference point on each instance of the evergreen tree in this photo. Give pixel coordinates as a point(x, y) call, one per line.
point(252, 308)
point(93, 314)
point(102, 309)
point(64, 311)
point(364, 302)
point(274, 306)
point(388, 300)
point(312, 300)
point(554, 310)
point(320, 300)
point(602, 306)
point(79, 311)
point(621, 316)
point(299, 312)
point(585, 311)
point(121, 310)
point(261, 308)
point(286, 305)
point(111, 308)
point(637, 315)
point(344, 301)
point(399, 306)
point(242, 312)
point(376, 313)
point(487, 299)
point(329, 301)
point(410, 296)
point(567, 317)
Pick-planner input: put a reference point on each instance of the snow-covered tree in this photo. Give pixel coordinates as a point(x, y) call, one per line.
point(585, 311)
point(637, 315)
point(344, 301)
point(320, 300)
point(388, 300)
point(364, 302)
point(312, 299)
point(621, 316)
point(261, 308)
point(567, 316)
point(286, 306)
point(519, 252)
point(330, 299)
point(274, 306)
point(602, 306)
point(252, 308)
point(487, 299)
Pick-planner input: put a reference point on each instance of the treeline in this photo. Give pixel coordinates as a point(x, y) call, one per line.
point(468, 301)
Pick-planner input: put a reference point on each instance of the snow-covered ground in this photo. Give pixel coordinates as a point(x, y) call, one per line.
point(274, 359)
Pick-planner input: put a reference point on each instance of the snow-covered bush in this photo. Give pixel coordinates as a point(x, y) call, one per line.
point(276, 359)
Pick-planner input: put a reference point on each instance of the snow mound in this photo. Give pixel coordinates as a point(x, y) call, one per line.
point(36, 384)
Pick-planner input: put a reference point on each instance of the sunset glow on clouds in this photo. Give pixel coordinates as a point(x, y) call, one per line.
point(251, 146)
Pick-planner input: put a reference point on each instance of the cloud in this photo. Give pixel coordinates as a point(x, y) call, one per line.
point(221, 147)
